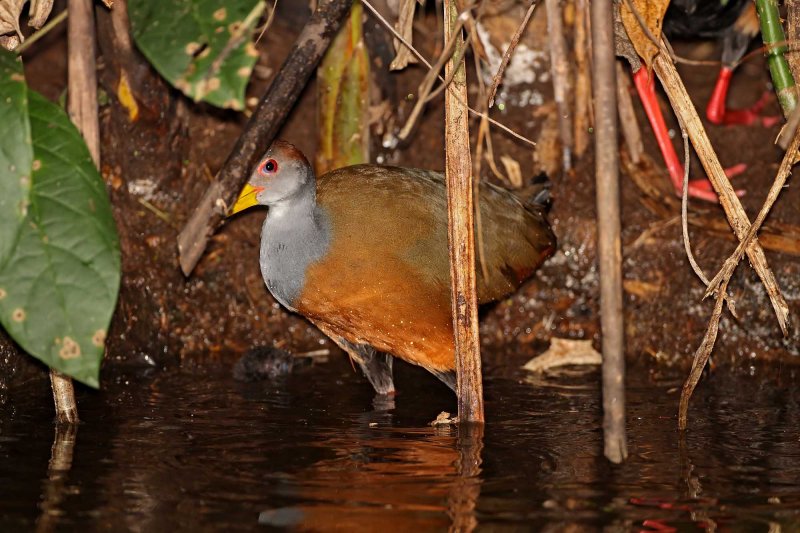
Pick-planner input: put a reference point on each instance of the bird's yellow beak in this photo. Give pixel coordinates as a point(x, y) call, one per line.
point(247, 199)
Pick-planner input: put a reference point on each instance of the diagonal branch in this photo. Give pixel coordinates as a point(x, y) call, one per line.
point(735, 213)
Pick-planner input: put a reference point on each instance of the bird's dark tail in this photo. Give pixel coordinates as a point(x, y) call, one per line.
point(537, 194)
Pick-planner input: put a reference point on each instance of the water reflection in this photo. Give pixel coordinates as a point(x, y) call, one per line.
point(55, 485)
point(196, 450)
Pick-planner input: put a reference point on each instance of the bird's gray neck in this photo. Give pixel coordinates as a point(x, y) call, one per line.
point(296, 233)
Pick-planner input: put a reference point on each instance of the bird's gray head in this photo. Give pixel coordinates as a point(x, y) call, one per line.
point(281, 173)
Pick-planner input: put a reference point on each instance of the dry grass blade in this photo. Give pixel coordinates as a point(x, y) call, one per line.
point(509, 52)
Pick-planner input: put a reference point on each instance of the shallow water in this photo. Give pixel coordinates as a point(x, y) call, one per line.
point(197, 450)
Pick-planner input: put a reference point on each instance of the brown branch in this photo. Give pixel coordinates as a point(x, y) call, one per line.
point(461, 242)
point(583, 82)
point(701, 358)
point(730, 203)
point(427, 63)
point(609, 253)
point(559, 70)
point(261, 129)
point(627, 116)
point(784, 171)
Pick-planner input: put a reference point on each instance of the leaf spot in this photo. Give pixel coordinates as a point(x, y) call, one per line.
point(37, 164)
point(25, 181)
point(17, 77)
point(220, 14)
point(12, 168)
point(69, 349)
point(250, 49)
point(192, 48)
point(3, 293)
point(99, 338)
point(18, 315)
point(244, 72)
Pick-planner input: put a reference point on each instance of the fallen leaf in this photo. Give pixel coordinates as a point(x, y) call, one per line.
point(563, 352)
point(642, 289)
point(652, 13)
point(39, 11)
point(10, 11)
point(444, 419)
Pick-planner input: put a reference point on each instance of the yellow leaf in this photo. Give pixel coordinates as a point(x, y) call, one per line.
point(652, 14)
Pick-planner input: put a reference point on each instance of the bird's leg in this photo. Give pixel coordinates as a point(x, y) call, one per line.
point(377, 367)
point(717, 113)
point(697, 188)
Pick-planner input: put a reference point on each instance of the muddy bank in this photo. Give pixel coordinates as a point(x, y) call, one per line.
point(158, 163)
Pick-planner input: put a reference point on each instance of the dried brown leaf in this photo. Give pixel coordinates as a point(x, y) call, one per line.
point(39, 11)
point(652, 13)
point(404, 27)
point(10, 11)
point(564, 352)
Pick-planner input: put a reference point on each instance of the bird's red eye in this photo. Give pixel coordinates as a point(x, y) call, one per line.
point(270, 166)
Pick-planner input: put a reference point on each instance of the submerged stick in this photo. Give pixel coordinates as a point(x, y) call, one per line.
point(82, 109)
point(261, 129)
point(609, 253)
point(461, 239)
point(735, 213)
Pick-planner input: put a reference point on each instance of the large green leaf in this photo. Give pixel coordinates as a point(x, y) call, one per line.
point(202, 47)
point(16, 152)
point(59, 287)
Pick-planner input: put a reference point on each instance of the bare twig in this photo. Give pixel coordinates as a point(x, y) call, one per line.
point(509, 52)
point(82, 109)
point(627, 116)
point(461, 242)
point(583, 82)
point(427, 63)
point(685, 219)
point(730, 203)
point(425, 87)
point(55, 21)
point(784, 171)
point(559, 70)
point(701, 357)
point(608, 231)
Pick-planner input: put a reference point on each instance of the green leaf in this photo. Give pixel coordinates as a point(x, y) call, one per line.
point(16, 152)
point(202, 47)
point(59, 287)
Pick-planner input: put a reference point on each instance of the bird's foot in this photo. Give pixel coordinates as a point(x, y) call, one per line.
point(718, 114)
point(702, 188)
